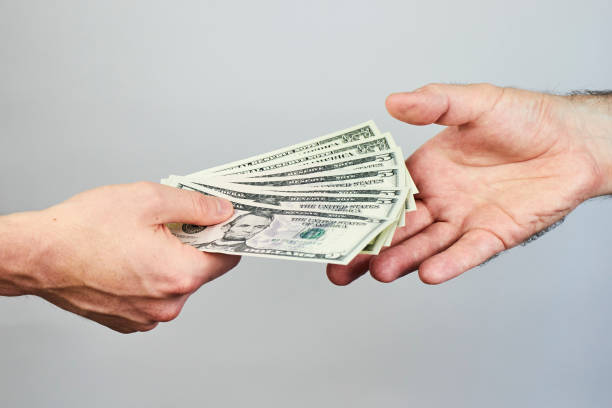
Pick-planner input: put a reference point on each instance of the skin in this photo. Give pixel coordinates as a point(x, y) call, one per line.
point(107, 255)
point(510, 163)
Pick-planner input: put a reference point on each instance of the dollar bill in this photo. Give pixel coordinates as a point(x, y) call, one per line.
point(323, 200)
point(306, 190)
point(390, 159)
point(381, 240)
point(363, 191)
point(370, 206)
point(274, 232)
point(361, 132)
point(318, 156)
point(388, 178)
point(376, 161)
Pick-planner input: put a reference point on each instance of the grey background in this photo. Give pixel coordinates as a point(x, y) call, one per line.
point(103, 92)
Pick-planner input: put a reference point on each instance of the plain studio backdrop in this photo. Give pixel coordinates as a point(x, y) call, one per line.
point(105, 92)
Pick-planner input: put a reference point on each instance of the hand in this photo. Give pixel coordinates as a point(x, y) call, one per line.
point(510, 164)
point(107, 255)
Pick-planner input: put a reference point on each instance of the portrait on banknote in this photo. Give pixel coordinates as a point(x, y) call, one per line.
point(239, 230)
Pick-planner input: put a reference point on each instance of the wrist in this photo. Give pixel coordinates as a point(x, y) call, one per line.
point(22, 250)
point(594, 128)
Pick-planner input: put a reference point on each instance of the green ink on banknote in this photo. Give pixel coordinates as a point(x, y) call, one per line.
point(312, 233)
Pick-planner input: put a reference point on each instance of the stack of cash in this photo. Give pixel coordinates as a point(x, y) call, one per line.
point(323, 200)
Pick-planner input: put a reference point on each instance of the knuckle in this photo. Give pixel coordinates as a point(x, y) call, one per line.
point(485, 86)
point(200, 204)
point(145, 186)
point(150, 193)
point(182, 283)
point(167, 313)
point(489, 89)
point(433, 87)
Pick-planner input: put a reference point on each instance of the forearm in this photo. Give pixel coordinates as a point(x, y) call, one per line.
point(593, 126)
point(21, 246)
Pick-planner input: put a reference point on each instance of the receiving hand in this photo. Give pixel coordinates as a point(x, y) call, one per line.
point(509, 164)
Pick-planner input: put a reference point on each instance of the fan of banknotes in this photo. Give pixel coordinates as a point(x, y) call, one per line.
point(323, 200)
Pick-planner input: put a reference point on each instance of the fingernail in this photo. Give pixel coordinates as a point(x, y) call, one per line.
point(224, 207)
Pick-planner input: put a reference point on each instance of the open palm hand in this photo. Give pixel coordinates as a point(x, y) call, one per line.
point(509, 164)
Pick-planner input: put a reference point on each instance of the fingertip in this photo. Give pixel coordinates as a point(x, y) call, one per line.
point(421, 107)
point(432, 272)
point(429, 278)
point(226, 260)
point(220, 208)
point(231, 261)
point(392, 101)
point(382, 269)
point(212, 265)
point(225, 208)
point(335, 275)
point(342, 275)
point(398, 103)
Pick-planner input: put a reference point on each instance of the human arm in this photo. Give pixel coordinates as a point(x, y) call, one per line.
point(107, 255)
point(509, 164)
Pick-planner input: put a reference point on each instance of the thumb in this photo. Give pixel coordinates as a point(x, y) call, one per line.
point(449, 105)
point(175, 205)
